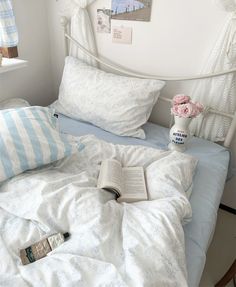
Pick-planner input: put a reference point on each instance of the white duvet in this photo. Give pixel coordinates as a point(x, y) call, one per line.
point(111, 244)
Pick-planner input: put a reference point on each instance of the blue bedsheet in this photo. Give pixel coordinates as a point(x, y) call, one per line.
point(208, 183)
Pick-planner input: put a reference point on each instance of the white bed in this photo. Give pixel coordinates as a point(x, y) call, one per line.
point(140, 244)
point(108, 244)
point(108, 238)
point(208, 184)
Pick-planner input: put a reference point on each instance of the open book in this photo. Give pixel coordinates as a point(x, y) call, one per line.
point(128, 183)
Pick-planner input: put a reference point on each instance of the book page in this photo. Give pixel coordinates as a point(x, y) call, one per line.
point(134, 185)
point(110, 176)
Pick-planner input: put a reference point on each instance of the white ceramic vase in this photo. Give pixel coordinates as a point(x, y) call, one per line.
point(179, 134)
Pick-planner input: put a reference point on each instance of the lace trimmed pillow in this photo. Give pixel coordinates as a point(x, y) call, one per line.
point(118, 104)
point(29, 139)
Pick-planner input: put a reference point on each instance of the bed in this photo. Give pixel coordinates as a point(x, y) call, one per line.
point(208, 184)
point(50, 196)
point(140, 244)
point(212, 170)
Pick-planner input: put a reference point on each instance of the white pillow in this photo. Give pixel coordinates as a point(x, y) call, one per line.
point(13, 103)
point(117, 104)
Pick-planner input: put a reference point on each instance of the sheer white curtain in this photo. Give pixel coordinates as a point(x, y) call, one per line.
point(219, 92)
point(8, 31)
point(81, 27)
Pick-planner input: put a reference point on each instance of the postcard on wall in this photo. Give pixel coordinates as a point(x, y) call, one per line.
point(122, 35)
point(134, 10)
point(103, 20)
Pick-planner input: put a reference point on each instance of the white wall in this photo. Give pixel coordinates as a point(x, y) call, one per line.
point(34, 82)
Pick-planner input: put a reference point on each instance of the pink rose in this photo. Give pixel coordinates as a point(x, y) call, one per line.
point(197, 109)
point(185, 110)
point(175, 110)
point(183, 107)
point(181, 99)
point(200, 107)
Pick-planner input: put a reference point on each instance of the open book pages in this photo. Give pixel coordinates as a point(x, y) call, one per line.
point(128, 183)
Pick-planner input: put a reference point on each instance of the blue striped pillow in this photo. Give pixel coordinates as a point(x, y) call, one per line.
point(29, 139)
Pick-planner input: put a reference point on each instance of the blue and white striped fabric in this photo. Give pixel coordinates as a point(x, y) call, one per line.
point(29, 138)
point(8, 31)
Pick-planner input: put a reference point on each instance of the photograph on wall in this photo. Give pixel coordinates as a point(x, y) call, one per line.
point(133, 10)
point(122, 35)
point(103, 20)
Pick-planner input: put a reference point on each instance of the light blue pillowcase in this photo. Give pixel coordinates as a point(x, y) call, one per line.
point(29, 138)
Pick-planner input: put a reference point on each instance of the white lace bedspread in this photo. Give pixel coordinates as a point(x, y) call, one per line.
point(111, 244)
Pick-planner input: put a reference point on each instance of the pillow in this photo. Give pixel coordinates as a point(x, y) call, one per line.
point(13, 103)
point(29, 139)
point(120, 105)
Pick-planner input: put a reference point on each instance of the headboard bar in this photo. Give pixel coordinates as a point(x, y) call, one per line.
point(230, 134)
point(65, 22)
point(144, 76)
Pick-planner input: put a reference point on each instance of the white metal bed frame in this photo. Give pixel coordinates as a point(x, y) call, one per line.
point(208, 110)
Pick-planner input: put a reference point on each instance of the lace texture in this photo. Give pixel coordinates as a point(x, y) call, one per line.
point(219, 92)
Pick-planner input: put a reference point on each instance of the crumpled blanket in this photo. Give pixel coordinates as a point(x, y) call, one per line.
point(111, 244)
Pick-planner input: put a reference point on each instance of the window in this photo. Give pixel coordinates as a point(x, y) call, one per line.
point(8, 30)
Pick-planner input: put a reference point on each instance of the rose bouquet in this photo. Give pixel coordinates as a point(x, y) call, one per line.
point(183, 107)
point(184, 110)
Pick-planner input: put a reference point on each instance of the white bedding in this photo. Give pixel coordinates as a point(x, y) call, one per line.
point(111, 244)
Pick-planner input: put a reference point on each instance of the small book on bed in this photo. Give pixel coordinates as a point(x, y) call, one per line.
point(128, 183)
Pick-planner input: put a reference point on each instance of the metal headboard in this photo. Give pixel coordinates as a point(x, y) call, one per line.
point(230, 134)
